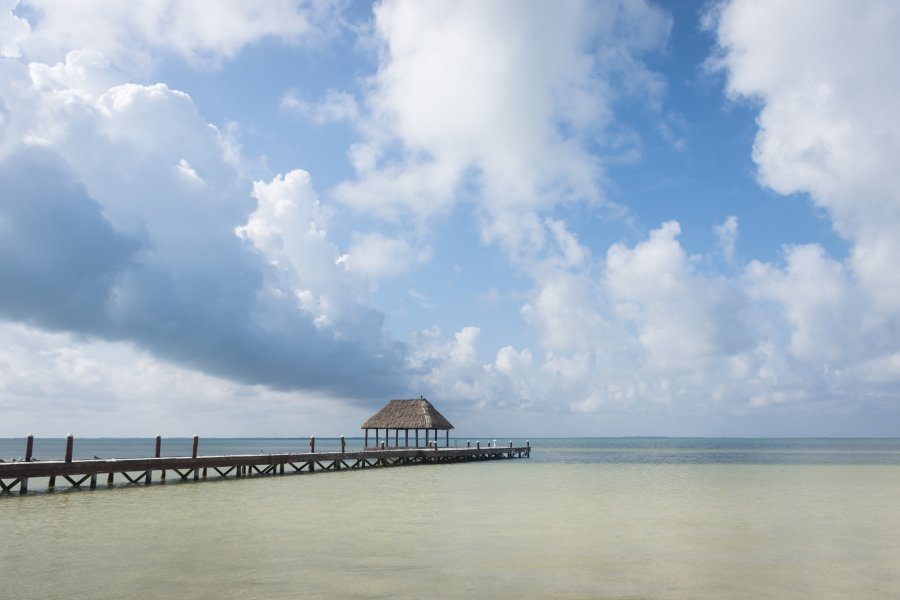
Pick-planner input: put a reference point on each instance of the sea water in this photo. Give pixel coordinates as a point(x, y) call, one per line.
point(588, 518)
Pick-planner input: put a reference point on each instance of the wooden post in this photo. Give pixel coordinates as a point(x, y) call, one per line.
point(510, 443)
point(70, 442)
point(448, 438)
point(312, 444)
point(377, 444)
point(94, 481)
point(468, 444)
point(70, 445)
point(396, 438)
point(406, 443)
point(343, 445)
point(478, 445)
point(417, 437)
point(194, 447)
point(366, 444)
point(110, 478)
point(426, 438)
point(29, 451)
point(158, 453)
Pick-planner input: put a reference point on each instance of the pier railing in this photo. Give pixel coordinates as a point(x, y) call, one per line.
point(69, 473)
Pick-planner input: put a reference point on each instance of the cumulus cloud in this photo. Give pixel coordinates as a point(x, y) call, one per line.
point(647, 329)
point(59, 256)
point(124, 216)
point(503, 96)
point(828, 127)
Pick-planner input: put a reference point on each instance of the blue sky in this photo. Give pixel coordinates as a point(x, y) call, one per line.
point(574, 218)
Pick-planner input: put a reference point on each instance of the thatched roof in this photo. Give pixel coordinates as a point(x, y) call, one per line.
point(408, 414)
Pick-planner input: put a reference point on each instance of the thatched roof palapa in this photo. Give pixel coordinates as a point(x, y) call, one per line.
point(408, 414)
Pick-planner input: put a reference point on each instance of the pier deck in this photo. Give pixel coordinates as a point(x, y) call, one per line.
point(14, 476)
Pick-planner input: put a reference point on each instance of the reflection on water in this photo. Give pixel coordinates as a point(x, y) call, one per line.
point(559, 525)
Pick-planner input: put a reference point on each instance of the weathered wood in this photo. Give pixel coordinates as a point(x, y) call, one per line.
point(158, 446)
point(70, 445)
point(29, 453)
point(76, 472)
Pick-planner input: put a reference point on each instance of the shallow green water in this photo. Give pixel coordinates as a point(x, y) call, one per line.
point(506, 529)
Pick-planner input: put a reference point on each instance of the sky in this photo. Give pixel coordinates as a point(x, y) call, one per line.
point(609, 218)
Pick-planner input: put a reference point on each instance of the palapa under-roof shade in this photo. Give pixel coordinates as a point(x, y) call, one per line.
point(408, 414)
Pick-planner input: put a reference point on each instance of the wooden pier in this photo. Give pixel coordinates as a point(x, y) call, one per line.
point(14, 476)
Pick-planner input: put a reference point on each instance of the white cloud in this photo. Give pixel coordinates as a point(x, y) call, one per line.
point(375, 256)
point(132, 222)
point(726, 236)
point(55, 383)
point(827, 88)
point(828, 123)
point(133, 36)
point(13, 29)
point(502, 95)
point(337, 106)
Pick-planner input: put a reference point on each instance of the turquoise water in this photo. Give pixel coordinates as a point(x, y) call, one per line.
point(639, 518)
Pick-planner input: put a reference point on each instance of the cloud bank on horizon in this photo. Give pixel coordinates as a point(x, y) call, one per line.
point(526, 211)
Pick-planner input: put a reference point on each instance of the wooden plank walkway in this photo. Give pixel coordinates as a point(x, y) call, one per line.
point(70, 473)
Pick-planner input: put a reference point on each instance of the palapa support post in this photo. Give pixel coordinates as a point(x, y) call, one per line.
point(417, 438)
point(448, 437)
point(366, 443)
point(396, 438)
point(29, 452)
point(406, 443)
point(427, 445)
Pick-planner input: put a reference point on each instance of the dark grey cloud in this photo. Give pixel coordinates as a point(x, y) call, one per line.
point(59, 257)
point(65, 267)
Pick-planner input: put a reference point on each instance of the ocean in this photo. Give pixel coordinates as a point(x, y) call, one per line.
point(629, 518)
